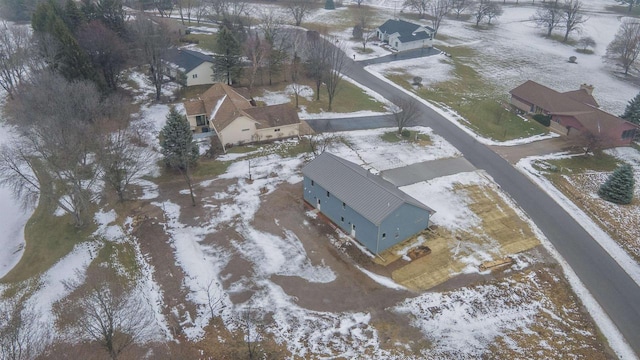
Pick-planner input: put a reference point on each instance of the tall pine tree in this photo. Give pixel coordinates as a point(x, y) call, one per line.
point(227, 63)
point(632, 111)
point(619, 186)
point(178, 148)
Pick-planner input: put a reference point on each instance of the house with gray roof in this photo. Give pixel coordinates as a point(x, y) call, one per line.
point(191, 67)
point(364, 205)
point(403, 35)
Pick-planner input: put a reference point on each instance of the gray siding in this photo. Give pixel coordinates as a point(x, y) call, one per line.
point(343, 217)
point(406, 221)
point(403, 223)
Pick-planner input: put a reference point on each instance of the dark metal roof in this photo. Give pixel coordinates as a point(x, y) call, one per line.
point(187, 59)
point(405, 29)
point(370, 195)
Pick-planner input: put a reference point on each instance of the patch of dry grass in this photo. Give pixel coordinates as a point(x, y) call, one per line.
point(561, 329)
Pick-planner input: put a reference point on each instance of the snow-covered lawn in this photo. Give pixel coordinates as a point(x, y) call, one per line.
point(620, 221)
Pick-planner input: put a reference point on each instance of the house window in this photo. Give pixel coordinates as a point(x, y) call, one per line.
point(396, 44)
point(276, 130)
point(194, 76)
point(628, 134)
point(328, 194)
point(344, 206)
point(342, 219)
point(246, 129)
point(384, 236)
point(201, 120)
point(312, 183)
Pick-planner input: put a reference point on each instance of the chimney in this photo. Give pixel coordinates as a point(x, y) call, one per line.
point(587, 87)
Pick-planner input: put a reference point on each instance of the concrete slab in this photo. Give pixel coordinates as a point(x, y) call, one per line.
point(426, 170)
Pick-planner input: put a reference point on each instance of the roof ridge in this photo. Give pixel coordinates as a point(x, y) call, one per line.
point(366, 176)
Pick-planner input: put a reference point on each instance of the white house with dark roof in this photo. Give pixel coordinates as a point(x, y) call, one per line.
point(365, 206)
point(196, 67)
point(403, 35)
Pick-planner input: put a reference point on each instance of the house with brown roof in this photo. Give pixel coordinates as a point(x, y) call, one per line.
point(224, 111)
point(574, 111)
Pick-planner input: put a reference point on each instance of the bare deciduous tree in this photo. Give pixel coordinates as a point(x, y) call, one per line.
point(105, 49)
point(153, 40)
point(122, 153)
point(337, 62)
point(460, 6)
point(16, 54)
point(108, 313)
point(54, 157)
point(317, 53)
point(420, 6)
point(586, 42)
point(625, 46)
point(406, 111)
point(21, 335)
point(480, 11)
point(548, 16)
point(185, 8)
point(320, 142)
point(255, 49)
point(437, 10)
point(299, 9)
point(572, 18)
point(494, 10)
point(214, 298)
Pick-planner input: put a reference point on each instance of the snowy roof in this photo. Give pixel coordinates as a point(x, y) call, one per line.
point(187, 59)
point(368, 194)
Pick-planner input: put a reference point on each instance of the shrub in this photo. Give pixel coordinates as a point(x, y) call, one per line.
point(406, 133)
point(618, 188)
point(572, 59)
point(417, 81)
point(542, 119)
point(357, 32)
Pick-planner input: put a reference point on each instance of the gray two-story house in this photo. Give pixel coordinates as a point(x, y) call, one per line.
point(363, 205)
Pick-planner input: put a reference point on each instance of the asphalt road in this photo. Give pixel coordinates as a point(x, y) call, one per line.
point(609, 284)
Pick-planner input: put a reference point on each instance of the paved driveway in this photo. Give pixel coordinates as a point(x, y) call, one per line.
point(426, 170)
point(543, 147)
point(403, 55)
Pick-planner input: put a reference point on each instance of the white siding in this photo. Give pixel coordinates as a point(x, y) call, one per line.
point(395, 43)
point(284, 131)
point(201, 75)
point(241, 130)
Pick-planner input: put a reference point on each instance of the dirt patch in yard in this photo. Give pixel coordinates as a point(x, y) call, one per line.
point(500, 233)
point(352, 290)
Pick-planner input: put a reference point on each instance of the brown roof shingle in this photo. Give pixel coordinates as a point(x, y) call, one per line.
point(220, 103)
point(578, 104)
point(274, 115)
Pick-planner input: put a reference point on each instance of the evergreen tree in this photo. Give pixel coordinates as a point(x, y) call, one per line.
point(178, 148)
point(70, 60)
point(227, 64)
point(73, 16)
point(619, 186)
point(329, 5)
point(632, 111)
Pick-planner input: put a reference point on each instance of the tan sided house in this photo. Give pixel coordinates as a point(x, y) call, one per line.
point(574, 112)
point(225, 112)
